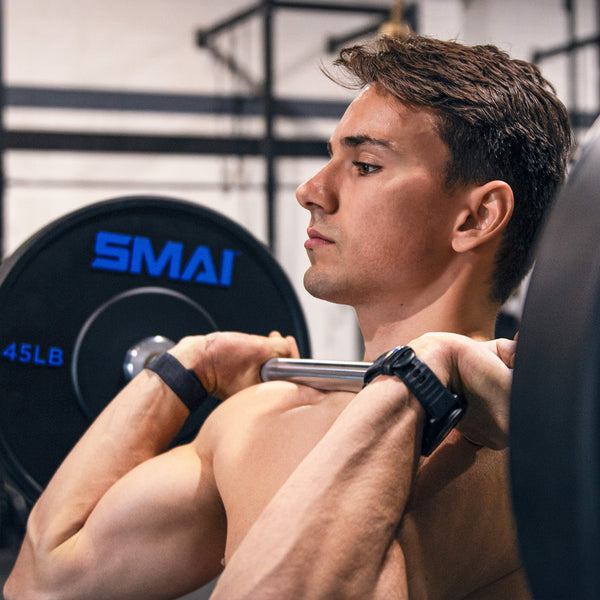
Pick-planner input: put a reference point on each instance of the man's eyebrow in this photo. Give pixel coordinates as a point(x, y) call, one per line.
point(352, 141)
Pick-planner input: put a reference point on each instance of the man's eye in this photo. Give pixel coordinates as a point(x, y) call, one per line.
point(365, 168)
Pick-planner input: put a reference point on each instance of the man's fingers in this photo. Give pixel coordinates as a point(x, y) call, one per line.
point(293, 346)
point(284, 347)
point(506, 351)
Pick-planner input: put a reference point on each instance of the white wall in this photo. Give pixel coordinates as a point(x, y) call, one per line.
point(148, 45)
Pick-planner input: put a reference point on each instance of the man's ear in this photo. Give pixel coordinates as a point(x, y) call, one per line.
point(485, 214)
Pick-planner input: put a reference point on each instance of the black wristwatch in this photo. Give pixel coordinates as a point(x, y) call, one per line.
point(443, 409)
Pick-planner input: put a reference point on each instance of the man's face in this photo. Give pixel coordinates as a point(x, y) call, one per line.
point(381, 218)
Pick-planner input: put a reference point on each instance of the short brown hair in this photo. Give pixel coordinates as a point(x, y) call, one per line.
point(498, 116)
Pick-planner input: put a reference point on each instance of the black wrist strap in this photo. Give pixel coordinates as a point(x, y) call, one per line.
point(184, 382)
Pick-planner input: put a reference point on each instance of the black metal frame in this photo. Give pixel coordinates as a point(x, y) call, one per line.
point(264, 104)
point(570, 49)
point(22, 139)
point(266, 9)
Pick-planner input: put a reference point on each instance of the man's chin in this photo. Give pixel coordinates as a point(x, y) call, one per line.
point(316, 284)
point(324, 288)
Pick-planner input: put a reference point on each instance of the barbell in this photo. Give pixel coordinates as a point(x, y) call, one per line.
point(87, 301)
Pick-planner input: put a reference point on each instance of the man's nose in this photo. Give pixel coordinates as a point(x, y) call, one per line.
point(319, 192)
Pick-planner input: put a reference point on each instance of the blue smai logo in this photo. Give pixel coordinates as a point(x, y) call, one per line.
point(135, 254)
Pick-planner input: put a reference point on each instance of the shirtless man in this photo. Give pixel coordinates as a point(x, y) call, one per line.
point(423, 219)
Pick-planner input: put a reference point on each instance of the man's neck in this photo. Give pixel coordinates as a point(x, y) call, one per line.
point(386, 326)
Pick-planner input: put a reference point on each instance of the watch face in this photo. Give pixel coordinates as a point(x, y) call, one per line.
point(400, 356)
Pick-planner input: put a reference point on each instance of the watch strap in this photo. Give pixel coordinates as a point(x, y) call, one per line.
point(442, 408)
point(427, 388)
point(184, 383)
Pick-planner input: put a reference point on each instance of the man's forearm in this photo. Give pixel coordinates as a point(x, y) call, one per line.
point(118, 496)
point(331, 527)
point(138, 424)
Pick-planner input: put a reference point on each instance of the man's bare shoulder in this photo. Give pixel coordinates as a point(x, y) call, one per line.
point(269, 397)
point(258, 413)
point(257, 438)
point(275, 400)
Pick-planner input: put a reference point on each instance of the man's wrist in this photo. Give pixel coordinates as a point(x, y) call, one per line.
point(393, 398)
point(193, 353)
point(443, 409)
point(184, 383)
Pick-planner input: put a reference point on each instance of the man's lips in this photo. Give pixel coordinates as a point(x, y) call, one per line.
point(315, 239)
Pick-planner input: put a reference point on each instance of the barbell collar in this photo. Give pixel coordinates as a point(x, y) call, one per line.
point(140, 354)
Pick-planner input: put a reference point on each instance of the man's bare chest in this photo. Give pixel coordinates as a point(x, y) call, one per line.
point(257, 453)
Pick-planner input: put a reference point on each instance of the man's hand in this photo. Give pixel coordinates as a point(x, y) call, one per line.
point(228, 362)
point(481, 373)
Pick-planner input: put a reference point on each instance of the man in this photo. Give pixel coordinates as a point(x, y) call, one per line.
point(344, 524)
point(440, 173)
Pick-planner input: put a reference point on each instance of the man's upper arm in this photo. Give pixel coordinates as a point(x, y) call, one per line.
point(158, 532)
